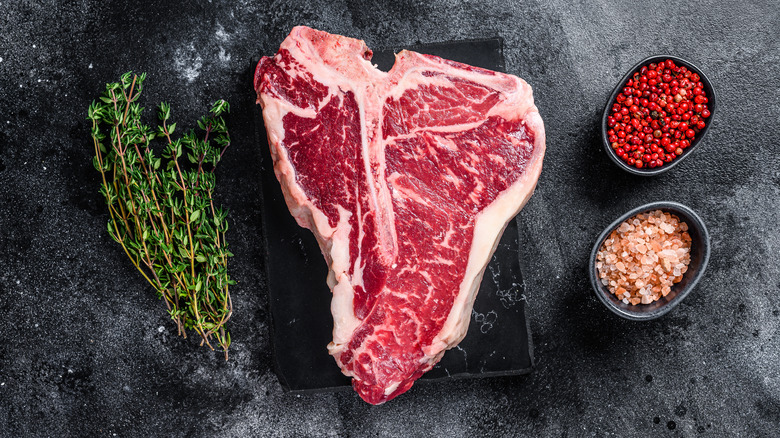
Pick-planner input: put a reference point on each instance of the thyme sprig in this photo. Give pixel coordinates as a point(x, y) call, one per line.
point(163, 214)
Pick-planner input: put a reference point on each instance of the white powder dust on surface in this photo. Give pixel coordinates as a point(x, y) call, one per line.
point(485, 320)
point(188, 62)
point(221, 34)
point(226, 44)
point(224, 57)
point(465, 355)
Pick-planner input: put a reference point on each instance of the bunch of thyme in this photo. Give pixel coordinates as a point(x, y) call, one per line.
point(163, 213)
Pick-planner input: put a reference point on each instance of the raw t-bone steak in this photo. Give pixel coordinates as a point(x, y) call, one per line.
point(407, 179)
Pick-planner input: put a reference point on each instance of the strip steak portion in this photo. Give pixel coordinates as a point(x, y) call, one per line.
point(407, 179)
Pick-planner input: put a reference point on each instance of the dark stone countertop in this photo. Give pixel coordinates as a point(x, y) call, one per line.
point(86, 349)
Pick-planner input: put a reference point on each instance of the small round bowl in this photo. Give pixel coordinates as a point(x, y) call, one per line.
point(711, 104)
point(700, 255)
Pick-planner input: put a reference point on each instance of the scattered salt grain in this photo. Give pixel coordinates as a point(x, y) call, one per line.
point(644, 257)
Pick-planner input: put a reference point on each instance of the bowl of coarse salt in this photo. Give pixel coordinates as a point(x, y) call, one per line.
point(649, 259)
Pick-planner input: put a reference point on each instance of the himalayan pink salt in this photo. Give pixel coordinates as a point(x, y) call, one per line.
point(647, 254)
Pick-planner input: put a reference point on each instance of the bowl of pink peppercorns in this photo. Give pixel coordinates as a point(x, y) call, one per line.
point(657, 115)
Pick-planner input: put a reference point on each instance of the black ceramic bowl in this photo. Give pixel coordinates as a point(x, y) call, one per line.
point(712, 105)
point(700, 255)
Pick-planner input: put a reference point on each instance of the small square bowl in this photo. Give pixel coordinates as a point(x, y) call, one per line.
point(700, 255)
point(712, 104)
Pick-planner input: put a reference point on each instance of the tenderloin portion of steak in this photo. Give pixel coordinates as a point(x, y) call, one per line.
point(407, 179)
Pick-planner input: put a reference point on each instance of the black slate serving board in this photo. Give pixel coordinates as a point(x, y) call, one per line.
point(498, 342)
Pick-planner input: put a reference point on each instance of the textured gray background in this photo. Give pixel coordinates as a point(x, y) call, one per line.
point(85, 348)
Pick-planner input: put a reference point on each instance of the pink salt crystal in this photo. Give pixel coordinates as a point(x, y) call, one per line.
point(668, 254)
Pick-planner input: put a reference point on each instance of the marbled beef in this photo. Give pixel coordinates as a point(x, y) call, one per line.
point(407, 179)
